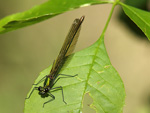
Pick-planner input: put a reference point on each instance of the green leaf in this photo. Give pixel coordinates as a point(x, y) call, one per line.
point(43, 12)
point(96, 77)
point(139, 17)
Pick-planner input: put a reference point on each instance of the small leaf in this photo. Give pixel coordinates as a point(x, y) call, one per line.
point(96, 77)
point(43, 12)
point(139, 17)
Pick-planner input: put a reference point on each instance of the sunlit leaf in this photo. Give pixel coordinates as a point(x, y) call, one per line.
point(140, 17)
point(42, 12)
point(96, 77)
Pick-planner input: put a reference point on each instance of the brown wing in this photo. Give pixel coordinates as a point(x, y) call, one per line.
point(67, 48)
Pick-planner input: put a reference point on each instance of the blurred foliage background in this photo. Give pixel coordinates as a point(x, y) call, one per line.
point(27, 51)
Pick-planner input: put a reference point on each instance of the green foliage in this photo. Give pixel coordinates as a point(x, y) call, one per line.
point(96, 76)
point(42, 12)
point(139, 17)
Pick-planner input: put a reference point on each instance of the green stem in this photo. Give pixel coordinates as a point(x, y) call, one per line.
point(108, 20)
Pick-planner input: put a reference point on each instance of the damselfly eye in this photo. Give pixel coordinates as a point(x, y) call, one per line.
point(46, 90)
point(39, 88)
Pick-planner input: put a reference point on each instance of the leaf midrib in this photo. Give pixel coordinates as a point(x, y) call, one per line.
point(90, 70)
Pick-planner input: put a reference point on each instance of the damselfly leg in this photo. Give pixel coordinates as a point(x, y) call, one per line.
point(40, 80)
point(35, 88)
point(55, 88)
point(67, 76)
point(53, 97)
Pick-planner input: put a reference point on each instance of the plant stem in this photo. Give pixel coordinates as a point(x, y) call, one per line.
point(108, 20)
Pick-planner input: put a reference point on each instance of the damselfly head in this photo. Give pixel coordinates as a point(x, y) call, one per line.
point(42, 90)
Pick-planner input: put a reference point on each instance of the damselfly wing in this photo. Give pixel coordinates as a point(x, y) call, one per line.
point(67, 48)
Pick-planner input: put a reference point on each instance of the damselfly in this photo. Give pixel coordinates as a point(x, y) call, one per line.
point(67, 49)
